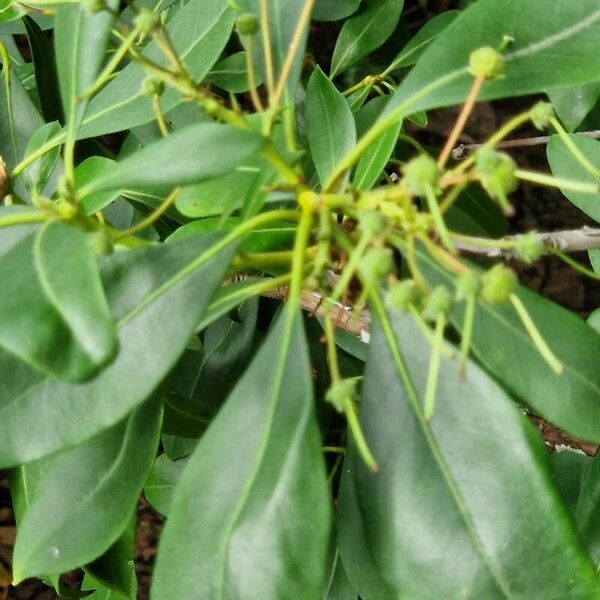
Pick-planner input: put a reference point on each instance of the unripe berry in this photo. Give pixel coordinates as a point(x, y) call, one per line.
point(146, 21)
point(497, 172)
point(376, 265)
point(541, 114)
point(94, 6)
point(486, 62)
point(498, 284)
point(371, 222)
point(152, 86)
point(403, 294)
point(529, 247)
point(247, 24)
point(438, 303)
point(420, 174)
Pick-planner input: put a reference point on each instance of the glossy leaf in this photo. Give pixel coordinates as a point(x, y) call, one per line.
point(329, 123)
point(157, 296)
point(36, 176)
point(564, 165)
point(334, 10)
point(338, 586)
point(435, 491)
point(554, 46)
point(78, 512)
point(231, 75)
point(587, 517)
point(373, 161)
point(115, 568)
point(222, 538)
point(364, 32)
point(570, 400)
point(199, 32)
point(85, 173)
point(80, 40)
point(186, 156)
point(56, 317)
point(413, 50)
point(46, 76)
point(573, 104)
point(161, 483)
point(19, 120)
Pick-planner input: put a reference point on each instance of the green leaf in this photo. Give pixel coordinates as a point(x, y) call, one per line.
point(570, 400)
point(554, 46)
point(80, 40)
point(567, 469)
point(413, 50)
point(86, 497)
point(177, 447)
point(199, 32)
point(222, 536)
point(435, 492)
point(587, 516)
point(37, 175)
point(163, 478)
point(338, 586)
point(19, 120)
point(157, 295)
point(364, 32)
point(186, 156)
point(231, 75)
point(115, 568)
point(46, 76)
point(334, 10)
point(373, 161)
point(329, 124)
point(564, 165)
point(573, 104)
point(593, 320)
point(85, 173)
point(56, 317)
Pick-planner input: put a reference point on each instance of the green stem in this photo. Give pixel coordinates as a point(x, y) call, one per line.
point(383, 124)
point(351, 266)
point(434, 367)
point(23, 218)
point(358, 436)
point(51, 143)
point(151, 218)
point(467, 332)
point(559, 182)
point(536, 336)
point(574, 264)
point(438, 219)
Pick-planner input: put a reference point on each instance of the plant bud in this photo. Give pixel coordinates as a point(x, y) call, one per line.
point(339, 393)
point(402, 295)
point(529, 247)
point(371, 223)
point(438, 303)
point(376, 265)
point(247, 24)
point(498, 284)
point(486, 62)
point(420, 174)
point(152, 86)
point(146, 21)
point(541, 114)
point(467, 285)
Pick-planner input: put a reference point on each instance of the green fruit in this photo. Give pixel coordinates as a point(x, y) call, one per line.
point(403, 294)
point(467, 285)
point(247, 24)
point(486, 62)
point(438, 303)
point(376, 265)
point(421, 174)
point(498, 284)
point(541, 114)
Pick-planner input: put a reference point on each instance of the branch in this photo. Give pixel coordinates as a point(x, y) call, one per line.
point(463, 150)
point(571, 240)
